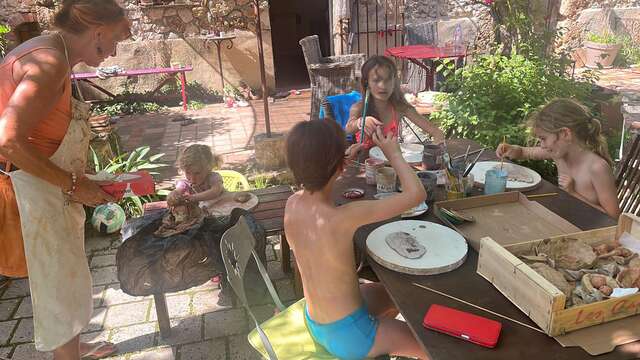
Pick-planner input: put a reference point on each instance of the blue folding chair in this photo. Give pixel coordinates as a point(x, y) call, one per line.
point(337, 107)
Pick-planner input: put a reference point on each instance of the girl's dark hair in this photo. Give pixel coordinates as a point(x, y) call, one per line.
point(570, 114)
point(77, 16)
point(397, 98)
point(315, 151)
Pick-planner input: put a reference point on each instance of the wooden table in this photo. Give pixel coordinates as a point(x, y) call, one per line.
point(516, 342)
point(270, 214)
point(181, 72)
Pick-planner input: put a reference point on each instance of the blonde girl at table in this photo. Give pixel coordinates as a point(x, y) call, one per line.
point(44, 140)
point(572, 137)
point(387, 105)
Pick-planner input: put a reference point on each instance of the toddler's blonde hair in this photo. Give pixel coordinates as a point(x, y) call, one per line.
point(571, 114)
point(198, 156)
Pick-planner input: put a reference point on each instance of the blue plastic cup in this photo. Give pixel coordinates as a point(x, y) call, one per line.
point(495, 181)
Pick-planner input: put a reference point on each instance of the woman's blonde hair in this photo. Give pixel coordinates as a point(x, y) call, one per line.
point(571, 114)
point(198, 156)
point(77, 16)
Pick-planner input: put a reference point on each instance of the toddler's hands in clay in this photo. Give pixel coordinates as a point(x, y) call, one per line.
point(566, 183)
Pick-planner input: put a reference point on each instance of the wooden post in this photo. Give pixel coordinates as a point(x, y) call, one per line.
point(163, 315)
point(265, 100)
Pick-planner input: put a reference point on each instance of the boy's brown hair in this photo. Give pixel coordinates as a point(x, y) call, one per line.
point(315, 151)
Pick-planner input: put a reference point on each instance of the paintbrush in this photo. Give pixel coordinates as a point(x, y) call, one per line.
point(470, 153)
point(466, 155)
point(470, 167)
point(413, 131)
point(537, 196)
point(364, 114)
point(504, 142)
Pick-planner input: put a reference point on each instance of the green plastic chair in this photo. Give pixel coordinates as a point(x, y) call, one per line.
point(285, 335)
point(233, 180)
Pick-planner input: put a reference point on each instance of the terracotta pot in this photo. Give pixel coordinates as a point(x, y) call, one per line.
point(603, 54)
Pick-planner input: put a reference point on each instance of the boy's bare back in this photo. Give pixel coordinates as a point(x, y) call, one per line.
point(321, 238)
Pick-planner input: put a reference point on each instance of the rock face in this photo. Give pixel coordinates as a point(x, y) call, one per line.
point(164, 35)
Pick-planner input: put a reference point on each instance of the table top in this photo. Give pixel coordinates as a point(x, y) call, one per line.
point(425, 52)
point(270, 209)
point(134, 72)
point(516, 341)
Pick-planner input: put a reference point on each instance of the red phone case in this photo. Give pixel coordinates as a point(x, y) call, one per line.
point(476, 329)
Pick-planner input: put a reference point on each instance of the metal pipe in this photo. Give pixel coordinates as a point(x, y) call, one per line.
point(386, 24)
point(367, 10)
point(263, 78)
point(358, 22)
point(377, 29)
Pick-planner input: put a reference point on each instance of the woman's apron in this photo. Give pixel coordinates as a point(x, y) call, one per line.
point(53, 235)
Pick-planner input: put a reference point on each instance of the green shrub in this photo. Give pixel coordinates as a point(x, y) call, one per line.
point(4, 29)
point(629, 53)
point(604, 38)
point(492, 98)
point(127, 108)
point(137, 160)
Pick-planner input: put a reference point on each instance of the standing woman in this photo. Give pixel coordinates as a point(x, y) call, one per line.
point(44, 137)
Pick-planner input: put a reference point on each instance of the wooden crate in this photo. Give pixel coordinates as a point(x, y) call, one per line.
point(508, 218)
point(542, 301)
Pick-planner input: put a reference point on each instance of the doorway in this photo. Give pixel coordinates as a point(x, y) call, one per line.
point(291, 20)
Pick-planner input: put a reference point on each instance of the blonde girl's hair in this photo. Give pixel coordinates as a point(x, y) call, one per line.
point(397, 98)
point(571, 114)
point(198, 156)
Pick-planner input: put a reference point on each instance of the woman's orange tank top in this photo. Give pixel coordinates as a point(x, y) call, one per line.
point(48, 134)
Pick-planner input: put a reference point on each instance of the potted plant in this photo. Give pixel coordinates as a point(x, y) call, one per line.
point(601, 50)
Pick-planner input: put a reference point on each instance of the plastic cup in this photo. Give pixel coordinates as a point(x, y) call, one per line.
point(495, 181)
point(432, 157)
point(371, 167)
point(430, 182)
point(385, 180)
point(467, 183)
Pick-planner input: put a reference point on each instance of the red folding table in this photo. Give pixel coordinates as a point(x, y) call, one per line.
point(179, 71)
point(416, 53)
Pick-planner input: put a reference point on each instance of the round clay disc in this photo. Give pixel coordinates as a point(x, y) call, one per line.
point(446, 250)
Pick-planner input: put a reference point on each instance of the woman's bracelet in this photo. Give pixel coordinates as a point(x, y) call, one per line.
point(74, 185)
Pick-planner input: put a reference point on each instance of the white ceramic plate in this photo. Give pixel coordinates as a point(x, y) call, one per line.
point(481, 168)
point(412, 153)
point(418, 210)
point(446, 249)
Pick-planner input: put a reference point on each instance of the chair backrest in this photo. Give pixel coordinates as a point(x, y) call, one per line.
point(311, 49)
point(337, 107)
point(628, 178)
point(233, 180)
point(237, 246)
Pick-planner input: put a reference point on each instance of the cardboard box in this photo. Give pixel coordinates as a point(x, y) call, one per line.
point(138, 183)
point(542, 301)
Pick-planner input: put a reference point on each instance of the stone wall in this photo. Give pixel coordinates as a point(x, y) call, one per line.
point(174, 33)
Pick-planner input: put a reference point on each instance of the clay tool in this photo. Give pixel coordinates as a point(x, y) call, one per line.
point(504, 142)
point(537, 196)
point(470, 167)
point(478, 307)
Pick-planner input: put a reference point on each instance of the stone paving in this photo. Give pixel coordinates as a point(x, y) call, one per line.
point(201, 329)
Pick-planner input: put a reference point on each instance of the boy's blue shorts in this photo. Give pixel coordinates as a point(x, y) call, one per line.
point(349, 338)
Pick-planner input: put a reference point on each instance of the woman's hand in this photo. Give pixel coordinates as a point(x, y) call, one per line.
point(566, 183)
point(509, 151)
point(90, 193)
point(370, 125)
point(388, 143)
